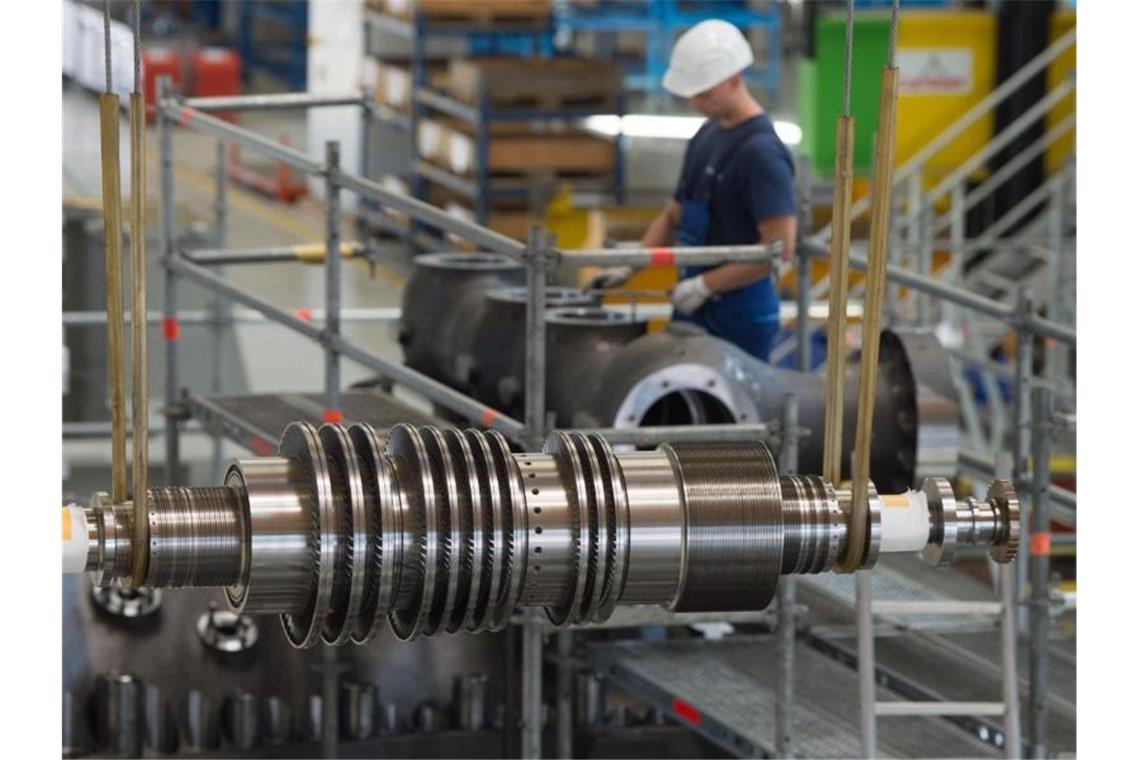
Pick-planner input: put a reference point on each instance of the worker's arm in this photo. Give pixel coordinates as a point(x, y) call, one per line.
point(735, 275)
point(660, 232)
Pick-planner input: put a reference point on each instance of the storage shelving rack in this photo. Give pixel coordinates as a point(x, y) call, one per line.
point(286, 59)
point(478, 189)
point(661, 20)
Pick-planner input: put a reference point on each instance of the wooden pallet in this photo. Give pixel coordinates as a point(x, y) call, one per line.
point(515, 13)
point(568, 153)
point(561, 83)
point(391, 81)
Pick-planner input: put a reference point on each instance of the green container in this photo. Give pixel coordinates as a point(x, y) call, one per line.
point(820, 87)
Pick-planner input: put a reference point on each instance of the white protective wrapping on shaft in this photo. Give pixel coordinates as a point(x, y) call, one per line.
point(74, 539)
point(905, 522)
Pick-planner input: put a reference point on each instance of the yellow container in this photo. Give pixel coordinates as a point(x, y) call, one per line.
point(947, 63)
point(1061, 150)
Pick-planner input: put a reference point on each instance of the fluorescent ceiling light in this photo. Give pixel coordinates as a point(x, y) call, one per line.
point(673, 127)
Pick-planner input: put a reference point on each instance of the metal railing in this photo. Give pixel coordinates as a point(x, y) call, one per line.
point(538, 255)
point(916, 226)
point(204, 268)
point(914, 234)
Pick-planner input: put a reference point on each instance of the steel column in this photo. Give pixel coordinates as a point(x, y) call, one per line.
point(786, 612)
point(535, 361)
point(330, 696)
point(1022, 422)
point(565, 746)
point(803, 268)
point(1039, 623)
point(1054, 304)
point(532, 690)
point(170, 283)
point(1011, 693)
point(367, 120)
point(332, 282)
point(925, 258)
point(957, 247)
point(535, 433)
point(222, 305)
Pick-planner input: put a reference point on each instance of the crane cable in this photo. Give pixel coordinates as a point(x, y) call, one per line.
point(140, 415)
point(873, 297)
point(838, 274)
point(109, 116)
point(113, 262)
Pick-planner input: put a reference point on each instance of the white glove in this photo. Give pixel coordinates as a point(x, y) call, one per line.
point(610, 277)
point(690, 294)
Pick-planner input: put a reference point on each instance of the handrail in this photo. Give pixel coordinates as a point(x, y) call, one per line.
point(1009, 168)
point(182, 112)
point(1043, 327)
point(1000, 140)
point(274, 102)
point(1011, 217)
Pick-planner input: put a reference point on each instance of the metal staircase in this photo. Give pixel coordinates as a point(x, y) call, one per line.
point(1002, 267)
point(991, 262)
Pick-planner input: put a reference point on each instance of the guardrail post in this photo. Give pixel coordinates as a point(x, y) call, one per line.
point(1039, 549)
point(957, 246)
point(170, 283)
point(332, 281)
point(1055, 308)
point(535, 415)
point(925, 258)
point(1022, 377)
point(367, 120)
point(221, 310)
point(535, 421)
point(1007, 588)
point(786, 620)
point(565, 737)
point(803, 267)
point(894, 254)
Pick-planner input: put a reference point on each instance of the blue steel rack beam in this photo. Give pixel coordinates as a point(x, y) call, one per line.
point(660, 20)
point(538, 40)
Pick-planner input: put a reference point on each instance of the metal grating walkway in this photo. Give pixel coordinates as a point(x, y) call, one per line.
point(894, 584)
point(725, 690)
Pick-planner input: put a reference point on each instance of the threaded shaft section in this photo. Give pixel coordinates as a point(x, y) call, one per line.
point(197, 537)
point(813, 524)
point(734, 536)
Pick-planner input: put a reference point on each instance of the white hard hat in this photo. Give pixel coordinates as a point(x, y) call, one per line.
point(706, 55)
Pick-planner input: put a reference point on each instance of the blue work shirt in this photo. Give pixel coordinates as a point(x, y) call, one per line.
point(756, 183)
point(745, 174)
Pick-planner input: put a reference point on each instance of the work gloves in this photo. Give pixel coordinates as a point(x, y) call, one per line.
point(690, 295)
point(610, 277)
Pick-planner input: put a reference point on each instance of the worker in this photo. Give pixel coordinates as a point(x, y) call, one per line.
point(737, 187)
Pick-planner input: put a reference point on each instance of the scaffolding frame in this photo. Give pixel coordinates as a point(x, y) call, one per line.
point(538, 255)
point(205, 268)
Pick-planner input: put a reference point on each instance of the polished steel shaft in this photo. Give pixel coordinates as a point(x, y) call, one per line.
point(445, 530)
